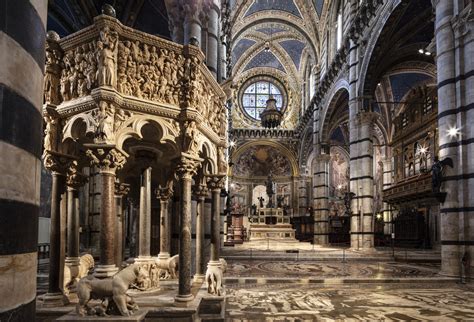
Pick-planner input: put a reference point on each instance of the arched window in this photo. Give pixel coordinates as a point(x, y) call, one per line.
point(311, 83)
point(255, 96)
point(339, 26)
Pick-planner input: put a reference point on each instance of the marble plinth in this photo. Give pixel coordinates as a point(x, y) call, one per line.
point(54, 300)
point(212, 308)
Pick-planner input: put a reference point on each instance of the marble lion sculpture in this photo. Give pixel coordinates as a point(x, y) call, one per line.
point(75, 273)
point(214, 277)
point(168, 267)
point(110, 288)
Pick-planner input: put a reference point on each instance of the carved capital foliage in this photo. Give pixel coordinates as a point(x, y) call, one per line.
point(164, 193)
point(121, 189)
point(106, 157)
point(75, 178)
point(187, 167)
point(216, 182)
point(461, 21)
point(201, 191)
point(57, 162)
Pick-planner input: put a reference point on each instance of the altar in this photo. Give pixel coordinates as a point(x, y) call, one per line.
point(271, 223)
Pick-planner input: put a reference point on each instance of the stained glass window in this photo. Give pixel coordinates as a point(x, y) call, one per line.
point(256, 95)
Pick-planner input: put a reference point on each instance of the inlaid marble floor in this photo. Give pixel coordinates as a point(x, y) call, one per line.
point(311, 303)
point(327, 269)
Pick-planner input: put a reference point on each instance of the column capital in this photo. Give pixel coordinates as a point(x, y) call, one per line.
point(164, 193)
point(187, 166)
point(121, 189)
point(460, 23)
point(216, 182)
point(106, 157)
point(75, 178)
point(57, 162)
point(366, 117)
point(201, 191)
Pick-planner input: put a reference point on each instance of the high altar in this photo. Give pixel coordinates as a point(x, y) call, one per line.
point(271, 223)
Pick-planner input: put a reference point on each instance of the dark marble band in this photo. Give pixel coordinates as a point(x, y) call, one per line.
point(18, 227)
point(20, 20)
point(21, 313)
point(20, 122)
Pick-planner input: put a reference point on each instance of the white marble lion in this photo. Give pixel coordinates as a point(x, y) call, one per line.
point(72, 274)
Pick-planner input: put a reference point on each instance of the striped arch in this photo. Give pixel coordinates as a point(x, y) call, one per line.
point(339, 87)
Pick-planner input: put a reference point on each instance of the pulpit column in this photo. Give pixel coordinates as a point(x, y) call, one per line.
point(121, 190)
point(108, 160)
point(144, 219)
point(187, 168)
point(164, 194)
point(75, 180)
point(201, 193)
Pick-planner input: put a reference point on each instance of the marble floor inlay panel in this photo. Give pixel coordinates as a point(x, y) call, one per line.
point(308, 303)
point(267, 268)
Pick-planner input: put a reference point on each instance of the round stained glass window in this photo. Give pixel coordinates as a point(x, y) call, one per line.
point(255, 96)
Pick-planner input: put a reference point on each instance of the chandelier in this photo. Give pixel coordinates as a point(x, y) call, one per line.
point(271, 116)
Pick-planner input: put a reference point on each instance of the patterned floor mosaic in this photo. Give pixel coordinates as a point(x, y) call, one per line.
point(249, 268)
point(306, 303)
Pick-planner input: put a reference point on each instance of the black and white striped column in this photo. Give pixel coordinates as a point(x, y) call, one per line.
point(455, 71)
point(22, 51)
point(320, 200)
point(387, 183)
point(362, 181)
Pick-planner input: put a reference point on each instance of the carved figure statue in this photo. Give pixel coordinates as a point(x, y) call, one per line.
point(254, 210)
point(437, 172)
point(105, 65)
point(269, 184)
point(168, 267)
point(280, 201)
point(191, 135)
point(50, 133)
point(105, 121)
point(214, 277)
point(116, 287)
point(73, 274)
point(52, 77)
point(261, 200)
point(154, 275)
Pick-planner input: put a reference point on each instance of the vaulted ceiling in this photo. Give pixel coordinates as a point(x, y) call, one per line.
point(290, 27)
point(68, 16)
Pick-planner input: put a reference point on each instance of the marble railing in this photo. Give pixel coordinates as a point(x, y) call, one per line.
point(138, 68)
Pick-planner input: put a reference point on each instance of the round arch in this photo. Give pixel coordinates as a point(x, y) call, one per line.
point(283, 149)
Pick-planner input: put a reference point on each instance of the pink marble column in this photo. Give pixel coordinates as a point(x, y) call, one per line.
point(108, 160)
